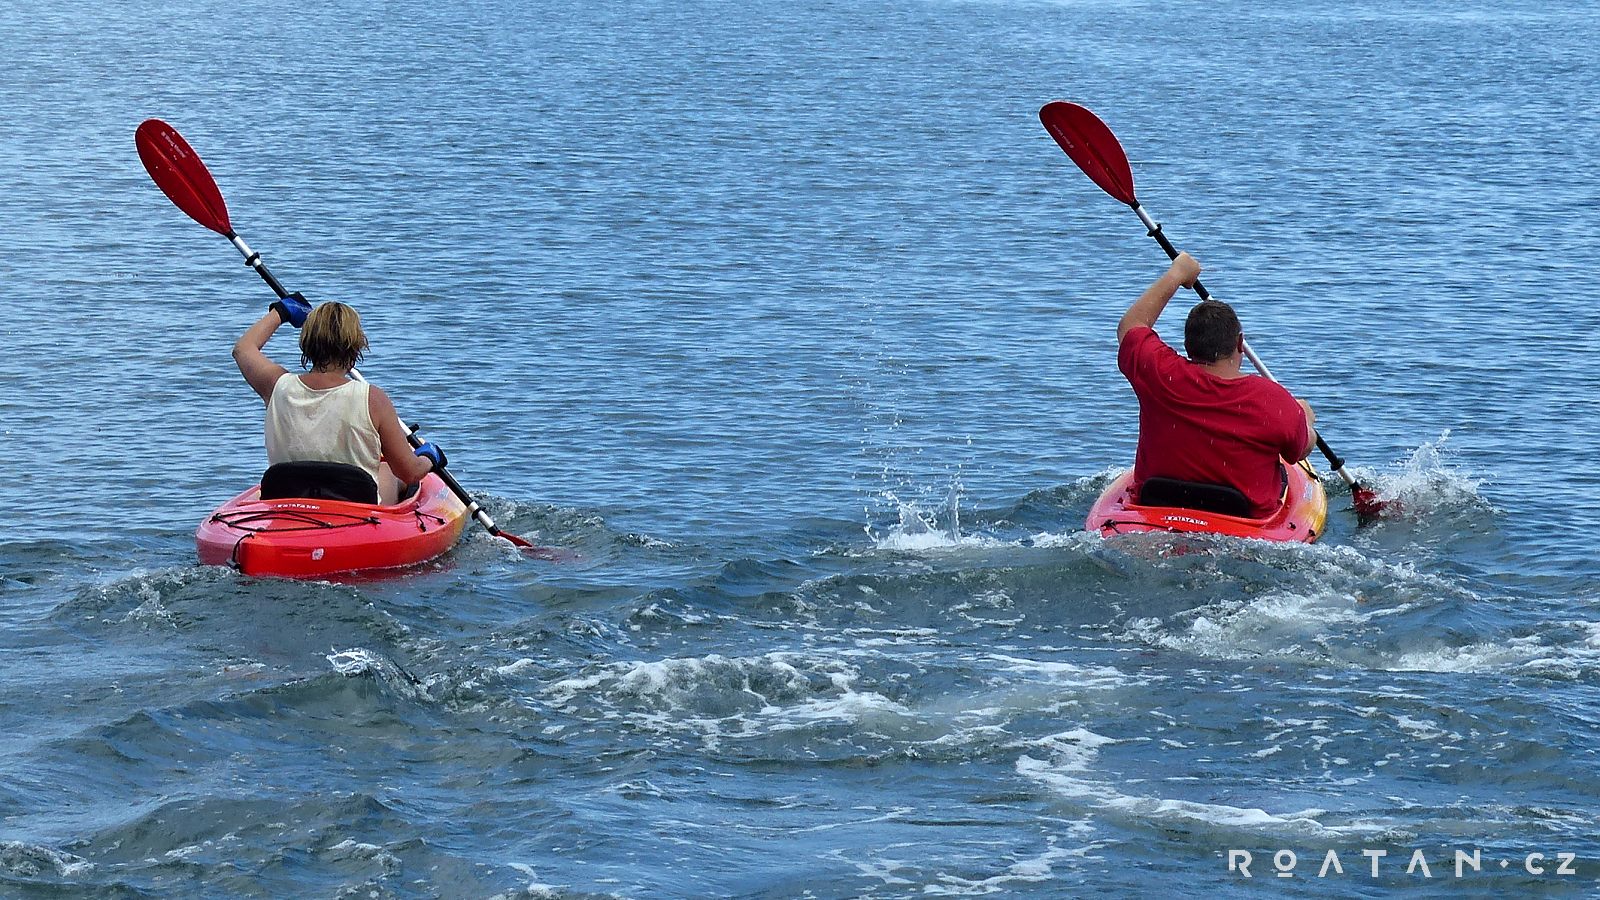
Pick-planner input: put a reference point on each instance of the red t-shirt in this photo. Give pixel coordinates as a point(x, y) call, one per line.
point(1195, 426)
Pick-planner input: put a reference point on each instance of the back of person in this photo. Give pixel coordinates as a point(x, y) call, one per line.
point(1201, 418)
point(1200, 427)
point(329, 415)
point(321, 425)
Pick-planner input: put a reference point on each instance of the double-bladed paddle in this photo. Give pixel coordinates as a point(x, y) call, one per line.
point(177, 170)
point(1098, 153)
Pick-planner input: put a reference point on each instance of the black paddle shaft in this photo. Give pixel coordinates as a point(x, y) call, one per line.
point(253, 260)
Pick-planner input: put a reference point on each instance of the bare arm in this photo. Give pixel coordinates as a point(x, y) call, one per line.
point(1144, 312)
point(1311, 429)
point(259, 371)
point(397, 452)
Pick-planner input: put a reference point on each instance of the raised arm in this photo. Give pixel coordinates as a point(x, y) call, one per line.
point(1184, 272)
point(261, 372)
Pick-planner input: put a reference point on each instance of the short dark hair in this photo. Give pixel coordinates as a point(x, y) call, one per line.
point(1211, 331)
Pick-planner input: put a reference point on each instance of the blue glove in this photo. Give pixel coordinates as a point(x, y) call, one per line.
point(292, 309)
point(432, 454)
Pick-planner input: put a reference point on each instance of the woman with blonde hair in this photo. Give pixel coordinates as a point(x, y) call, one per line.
point(328, 433)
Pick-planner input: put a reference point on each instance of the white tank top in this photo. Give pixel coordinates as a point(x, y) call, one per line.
point(328, 425)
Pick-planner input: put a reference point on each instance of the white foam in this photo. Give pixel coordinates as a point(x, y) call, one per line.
point(355, 661)
point(150, 609)
point(31, 860)
point(533, 889)
point(1425, 481)
point(1100, 480)
point(1071, 756)
point(891, 637)
point(1071, 540)
point(352, 849)
point(1282, 623)
point(927, 541)
point(719, 698)
point(1423, 730)
point(1084, 677)
point(1313, 621)
point(515, 668)
point(1534, 654)
point(1156, 810)
point(358, 661)
point(1497, 656)
point(671, 679)
point(1024, 871)
point(716, 697)
point(850, 708)
point(921, 530)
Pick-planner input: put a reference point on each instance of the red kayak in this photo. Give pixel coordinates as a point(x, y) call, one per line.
point(1300, 518)
point(311, 538)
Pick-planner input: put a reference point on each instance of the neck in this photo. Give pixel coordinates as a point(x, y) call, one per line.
point(327, 376)
point(1230, 366)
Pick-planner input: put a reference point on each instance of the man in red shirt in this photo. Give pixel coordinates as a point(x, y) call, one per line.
point(1202, 419)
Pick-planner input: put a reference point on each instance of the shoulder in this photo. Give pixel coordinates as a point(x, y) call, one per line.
point(261, 373)
point(378, 402)
point(283, 381)
point(1139, 335)
point(1279, 402)
point(1143, 339)
point(1142, 346)
point(1272, 390)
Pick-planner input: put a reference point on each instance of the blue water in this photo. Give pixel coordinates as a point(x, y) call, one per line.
point(791, 322)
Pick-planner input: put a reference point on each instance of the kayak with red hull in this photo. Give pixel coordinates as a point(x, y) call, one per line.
point(300, 538)
point(1300, 518)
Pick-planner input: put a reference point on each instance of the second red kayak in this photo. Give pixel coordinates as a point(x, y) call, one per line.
point(298, 538)
point(1300, 518)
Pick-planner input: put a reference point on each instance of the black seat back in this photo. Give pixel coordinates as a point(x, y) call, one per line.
point(318, 481)
point(1217, 498)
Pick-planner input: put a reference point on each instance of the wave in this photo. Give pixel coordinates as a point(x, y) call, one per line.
point(1063, 763)
point(35, 860)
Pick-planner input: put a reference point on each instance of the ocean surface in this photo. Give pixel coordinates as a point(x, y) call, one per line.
point(793, 326)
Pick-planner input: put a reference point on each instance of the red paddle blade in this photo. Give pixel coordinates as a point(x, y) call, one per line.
point(177, 170)
point(534, 551)
point(517, 540)
point(1092, 146)
point(1369, 507)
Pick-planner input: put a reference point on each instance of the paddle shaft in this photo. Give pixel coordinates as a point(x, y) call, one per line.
point(1154, 229)
point(253, 260)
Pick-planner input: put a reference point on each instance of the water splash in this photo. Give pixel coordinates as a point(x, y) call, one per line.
point(359, 661)
point(1427, 482)
point(922, 527)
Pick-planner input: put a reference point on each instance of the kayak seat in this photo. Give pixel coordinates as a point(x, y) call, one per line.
point(318, 481)
point(1216, 498)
